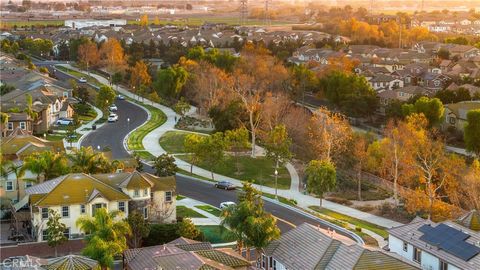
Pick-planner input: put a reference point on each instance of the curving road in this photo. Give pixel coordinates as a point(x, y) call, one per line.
point(112, 135)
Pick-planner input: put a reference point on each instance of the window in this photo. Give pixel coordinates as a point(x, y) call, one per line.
point(264, 261)
point(168, 196)
point(136, 193)
point(10, 126)
point(65, 211)
point(23, 125)
point(436, 83)
point(28, 184)
point(452, 120)
point(82, 209)
point(66, 233)
point(9, 186)
point(405, 246)
point(44, 213)
point(417, 255)
point(121, 206)
point(443, 265)
point(44, 235)
point(145, 192)
point(97, 206)
point(145, 212)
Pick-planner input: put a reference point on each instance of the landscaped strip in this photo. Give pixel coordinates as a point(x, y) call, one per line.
point(78, 74)
point(135, 139)
point(354, 221)
point(210, 209)
point(185, 212)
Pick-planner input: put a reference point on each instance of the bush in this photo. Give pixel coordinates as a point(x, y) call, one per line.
point(365, 208)
point(22, 56)
point(358, 229)
point(43, 70)
point(161, 234)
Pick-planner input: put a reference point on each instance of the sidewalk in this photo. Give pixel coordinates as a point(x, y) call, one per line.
point(151, 143)
point(85, 129)
point(210, 218)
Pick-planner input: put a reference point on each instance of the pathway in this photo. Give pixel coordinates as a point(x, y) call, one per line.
point(209, 219)
point(151, 144)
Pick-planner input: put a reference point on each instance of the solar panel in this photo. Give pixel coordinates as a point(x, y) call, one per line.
point(449, 239)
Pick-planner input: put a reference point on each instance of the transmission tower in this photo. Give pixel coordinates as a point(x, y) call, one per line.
point(372, 3)
point(243, 11)
point(267, 16)
point(423, 5)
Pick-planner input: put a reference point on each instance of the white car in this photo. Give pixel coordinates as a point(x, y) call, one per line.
point(82, 80)
point(224, 205)
point(113, 108)
point(64, 122)
point(112, 118)
point(120, 97)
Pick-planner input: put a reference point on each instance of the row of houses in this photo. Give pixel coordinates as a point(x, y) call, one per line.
point(460, 23)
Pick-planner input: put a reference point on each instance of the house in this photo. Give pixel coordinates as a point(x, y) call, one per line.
point(436, 246)
point(183, 253)
point(15, 148)
point(433, 81)
point(152, 196)
point(463, 51)
point(470, 220)
point(49, 103)
point(472, 89)
point(385, 82)
point(402, 94)
point(456, 114)
point(307, 247)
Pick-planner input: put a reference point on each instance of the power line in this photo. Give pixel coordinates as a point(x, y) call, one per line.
point(243, 11)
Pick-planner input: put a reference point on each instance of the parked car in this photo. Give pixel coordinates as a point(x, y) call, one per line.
point(112, 118)
point(64, 121)
point(224, 185)
point(113, 108)
point(120, 97)
point(82, 80)
point(224, 205)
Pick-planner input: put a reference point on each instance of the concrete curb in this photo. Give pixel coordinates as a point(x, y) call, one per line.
point(125, 139)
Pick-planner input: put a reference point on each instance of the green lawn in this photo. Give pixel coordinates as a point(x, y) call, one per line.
point(185, 212)
point(136, 137)
point(23, 23)
point(185, 172)
point(260, 170)
point(280, 199)
point(180, 197)
point(212, 210)
point(172, 141)
point(217, 234)
point(357, 222)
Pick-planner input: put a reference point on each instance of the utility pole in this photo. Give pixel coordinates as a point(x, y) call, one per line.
point(243, 12)
point(267, 21)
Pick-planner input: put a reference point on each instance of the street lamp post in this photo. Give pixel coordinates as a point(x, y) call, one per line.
point(98, 147)
point(128, 123)
point(276, 177)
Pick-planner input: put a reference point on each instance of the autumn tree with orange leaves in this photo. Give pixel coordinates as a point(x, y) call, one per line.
point(112, 55)
point(88, 55)
point(139, 75)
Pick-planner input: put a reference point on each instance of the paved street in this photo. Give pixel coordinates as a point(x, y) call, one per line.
point(112, 134)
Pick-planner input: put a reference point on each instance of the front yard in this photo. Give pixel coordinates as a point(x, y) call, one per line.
point(173, 141)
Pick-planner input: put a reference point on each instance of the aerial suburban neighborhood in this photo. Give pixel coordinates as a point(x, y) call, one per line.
point(240, 134)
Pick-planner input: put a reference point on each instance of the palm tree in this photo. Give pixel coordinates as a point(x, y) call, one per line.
point(84, 160)
point(19, 172)
point(106, 236)
point(46, 163)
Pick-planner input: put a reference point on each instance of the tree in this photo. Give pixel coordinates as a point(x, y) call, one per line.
point(432, 108)
point(55, 230)
point(187, 229)
point(170, 81)
point(140, 75)
point(47, 164)
point(191, 144)
point(277, 145)
point(237, 141)
point(164, 165)
point(17, 170)
point(117, 78)
point(328, 134)
point(144, 20)
point(112, 55)
point(106, 236)
point(443, 54)
point(85, 160)
point(105, 97)
point(88, 55)
point(471, 133)
point(181, 107)
point(210, 150)
point(470, 186)
point(321, 177)
point(360, 158)
point(302, 80)
point(140, 228)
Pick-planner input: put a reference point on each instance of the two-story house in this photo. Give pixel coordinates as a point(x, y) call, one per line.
point(74, 195)
point(456, 114)
point(436, 246)
point(385, 82)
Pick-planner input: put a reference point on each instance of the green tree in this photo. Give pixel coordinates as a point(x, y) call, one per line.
point(187, 229)
point(321, 177)
point(164, 165)
point(55, 230)
point(18, 170)
point(117, 78)
point(140, 229)
point(237, 141)
point(181, 107)
point(170, 81)
point(105, 97)
point(302, 80)
point(472, 132)
point(191, 144)
point(277, 145)
point(86, 160)
point(47, 164)
point(210, 150)
point(106, 236)
point(431, 108)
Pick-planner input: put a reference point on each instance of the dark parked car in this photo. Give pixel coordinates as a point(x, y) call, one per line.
point(224, 185)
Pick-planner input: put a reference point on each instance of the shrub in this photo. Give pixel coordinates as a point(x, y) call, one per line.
point(358, 229)
point(339, 200)
point(43, 70)
point(161, 234)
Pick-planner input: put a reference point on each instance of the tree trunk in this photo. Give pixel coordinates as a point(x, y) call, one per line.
point(211, 171)
point(56, 252)
point(321, 198)
point(395, 177)
point(191, 168)
point(252, 127)
point(359, 181)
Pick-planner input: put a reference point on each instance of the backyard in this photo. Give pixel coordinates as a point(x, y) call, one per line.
point(216, 234)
